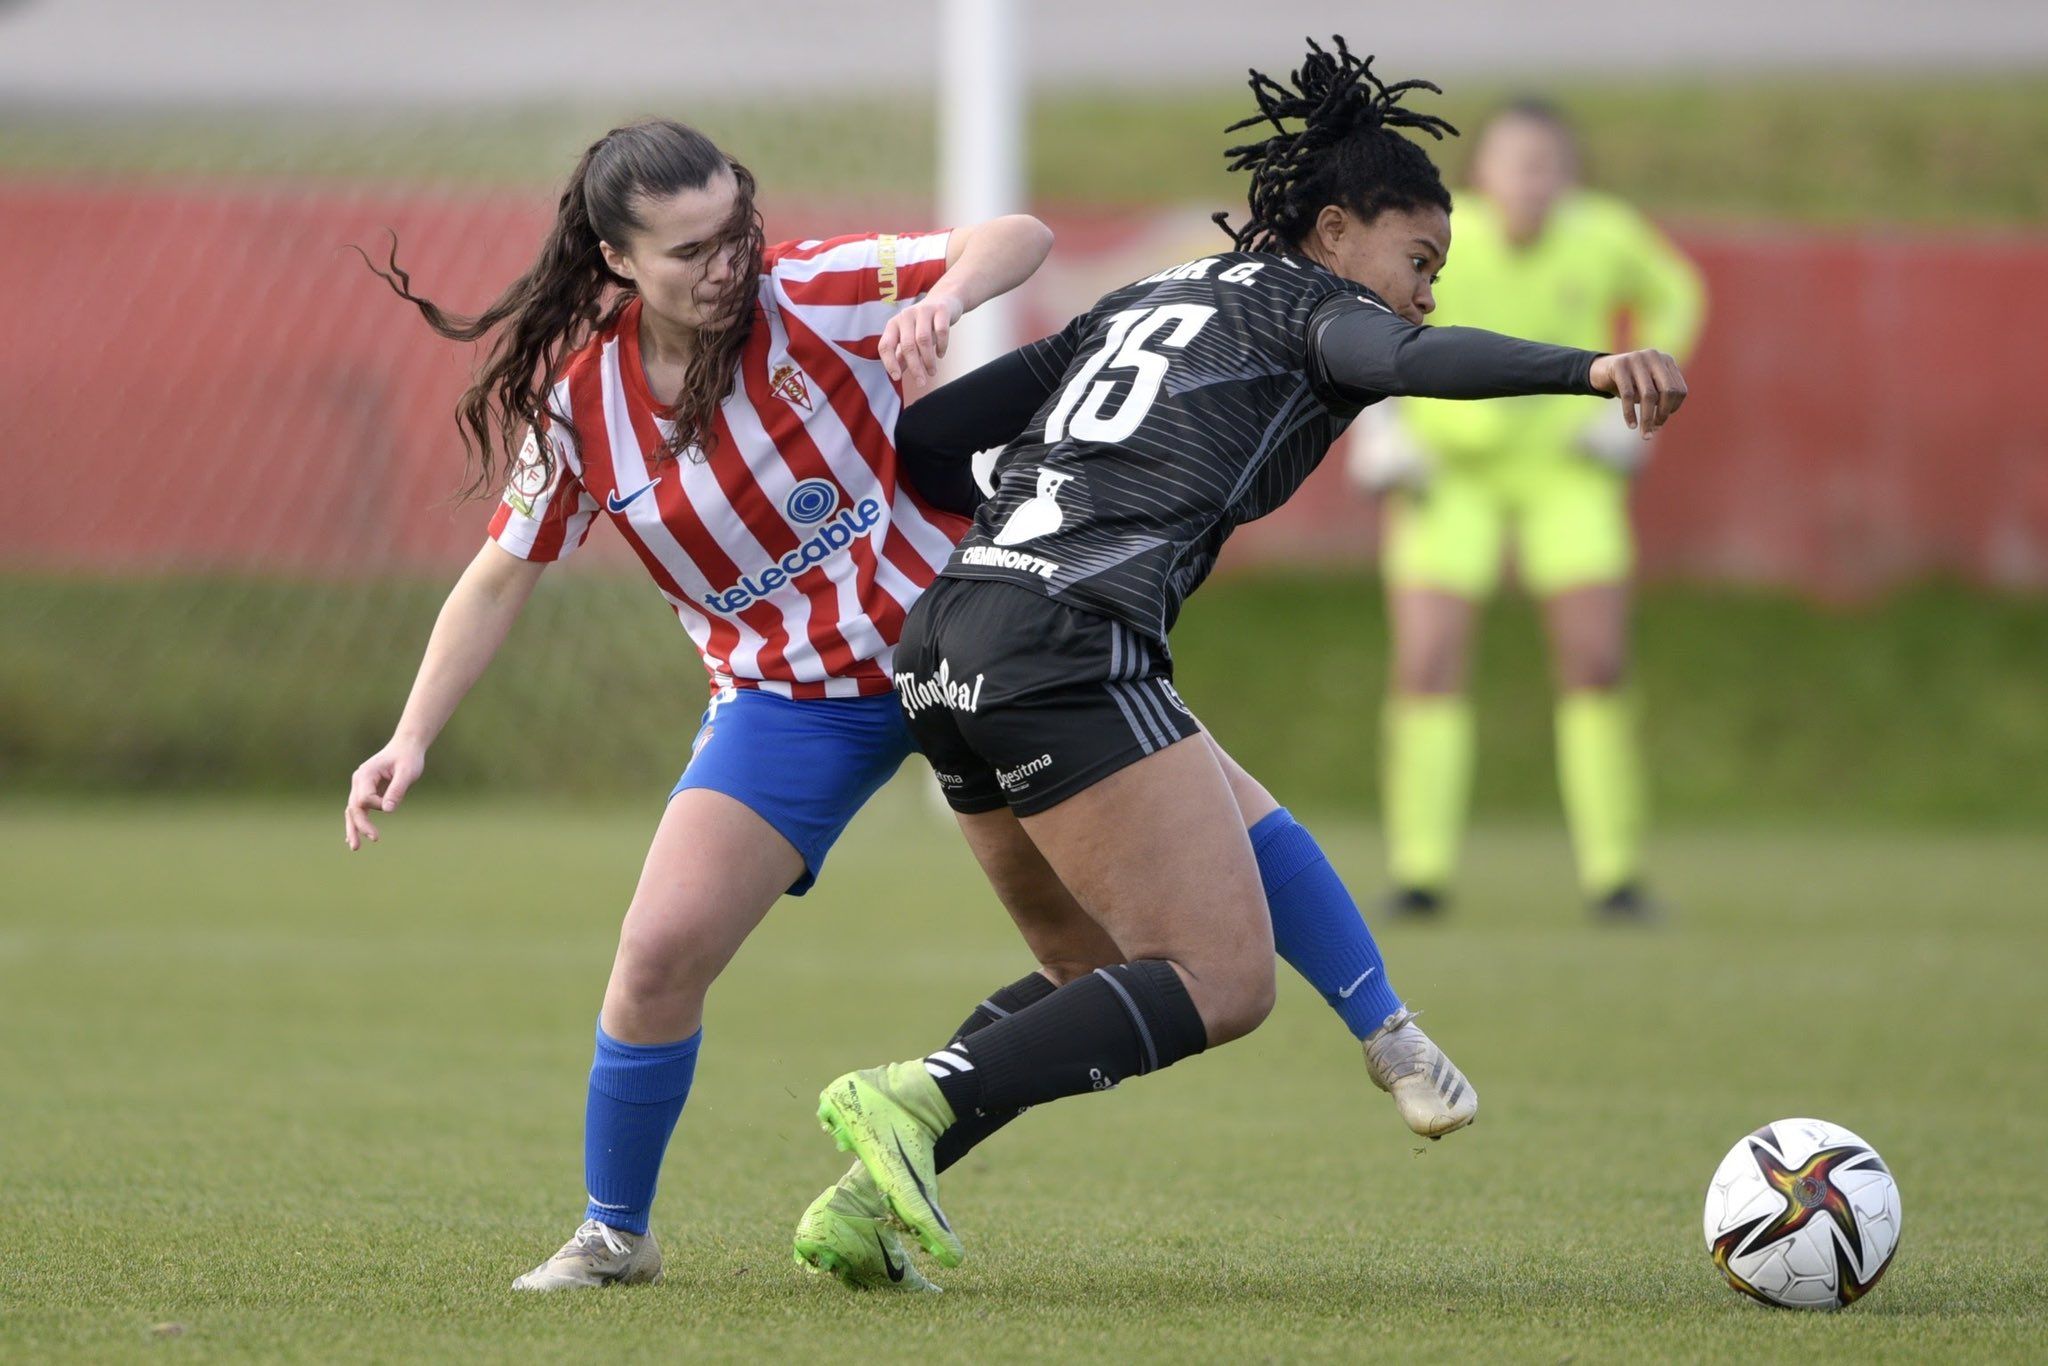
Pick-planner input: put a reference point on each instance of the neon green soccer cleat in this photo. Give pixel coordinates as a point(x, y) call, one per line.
point(848, 1232)
point(889, 1117)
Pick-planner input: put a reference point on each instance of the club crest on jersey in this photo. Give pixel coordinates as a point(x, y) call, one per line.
point(1038, 515)
point(788, 383)
point(530, 476)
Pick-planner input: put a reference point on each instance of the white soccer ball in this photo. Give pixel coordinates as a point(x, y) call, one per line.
point(1803, 1214)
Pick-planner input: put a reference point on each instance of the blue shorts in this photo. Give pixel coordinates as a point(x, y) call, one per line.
point(804, 767)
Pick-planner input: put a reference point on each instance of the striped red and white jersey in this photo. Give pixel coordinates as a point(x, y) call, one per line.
point(792, 555)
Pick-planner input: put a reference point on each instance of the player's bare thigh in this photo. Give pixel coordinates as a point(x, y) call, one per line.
point(712, 872)
point(1060, 934)
point(1157, 855)
point(1588, 631)
point(1254, 803)
point(1432, 640)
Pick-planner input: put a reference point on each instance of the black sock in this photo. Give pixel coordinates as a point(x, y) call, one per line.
point(975, 1125)
point(1089, 1035)
point(1004, 1002)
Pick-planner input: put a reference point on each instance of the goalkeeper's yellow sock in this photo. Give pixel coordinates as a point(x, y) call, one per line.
point(1600, 773)
point(1425, 780)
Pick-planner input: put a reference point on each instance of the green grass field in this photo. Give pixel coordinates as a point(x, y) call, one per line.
point(265, 1100)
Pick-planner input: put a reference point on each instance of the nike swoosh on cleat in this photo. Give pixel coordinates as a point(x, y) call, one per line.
point(616, 504)
point(918, 1181)
point(895, 1271)
point(1345, 994)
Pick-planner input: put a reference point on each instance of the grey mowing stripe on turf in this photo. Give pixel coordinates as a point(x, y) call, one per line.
point(1143, 741)
point(1144, 1034)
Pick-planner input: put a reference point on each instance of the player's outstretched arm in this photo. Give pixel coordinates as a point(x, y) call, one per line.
point(1360, 350)
point(473, 623)
point(982, 261)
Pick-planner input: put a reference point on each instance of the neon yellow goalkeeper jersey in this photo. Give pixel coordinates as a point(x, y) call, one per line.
point(1596, 260)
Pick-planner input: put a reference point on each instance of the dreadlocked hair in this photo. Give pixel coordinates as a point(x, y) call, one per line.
point(569, 294)
point(1345, 152)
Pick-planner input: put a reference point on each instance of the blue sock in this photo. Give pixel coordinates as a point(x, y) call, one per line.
point(636, 1093)
point(1317, 927)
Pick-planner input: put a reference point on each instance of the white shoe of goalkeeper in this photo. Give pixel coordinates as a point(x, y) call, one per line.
point(1430, 1092)
point(597, 1255)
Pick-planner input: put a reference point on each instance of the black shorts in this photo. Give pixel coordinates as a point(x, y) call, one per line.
point(1021, 701)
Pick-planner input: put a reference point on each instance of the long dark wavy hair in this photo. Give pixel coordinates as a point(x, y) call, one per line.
point(568, 294)
point(1344, 152)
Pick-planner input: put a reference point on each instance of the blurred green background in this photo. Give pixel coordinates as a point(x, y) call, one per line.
point(1926, 705)
point(1904, 147)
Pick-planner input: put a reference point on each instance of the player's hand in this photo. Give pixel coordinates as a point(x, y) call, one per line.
point(379, 785)
point(915, 339)
point(1647, 383)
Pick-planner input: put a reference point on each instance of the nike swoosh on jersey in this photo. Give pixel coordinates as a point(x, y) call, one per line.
point(1345, 994)
point(616, 504)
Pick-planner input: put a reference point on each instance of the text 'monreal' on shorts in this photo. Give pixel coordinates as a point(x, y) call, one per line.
point(1021, 701)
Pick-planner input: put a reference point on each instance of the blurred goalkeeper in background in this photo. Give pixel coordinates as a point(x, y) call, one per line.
point(1538, 256)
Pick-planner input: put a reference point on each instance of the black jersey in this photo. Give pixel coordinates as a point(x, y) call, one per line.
point(1182, 407)
point(1191, 402)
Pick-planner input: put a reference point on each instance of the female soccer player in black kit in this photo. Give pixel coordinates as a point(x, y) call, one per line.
point(1035, 672)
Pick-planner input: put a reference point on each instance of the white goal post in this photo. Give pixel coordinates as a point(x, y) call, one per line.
point(981, 146)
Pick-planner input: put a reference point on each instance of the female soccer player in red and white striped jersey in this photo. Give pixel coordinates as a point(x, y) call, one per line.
point(728, 405)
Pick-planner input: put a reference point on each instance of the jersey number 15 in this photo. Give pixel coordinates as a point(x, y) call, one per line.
point(1079, 411)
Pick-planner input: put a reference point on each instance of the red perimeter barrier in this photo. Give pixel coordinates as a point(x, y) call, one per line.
point(203, 379)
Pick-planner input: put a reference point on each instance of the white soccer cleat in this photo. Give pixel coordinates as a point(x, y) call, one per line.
point(598, 1255)
point(1430, 1092)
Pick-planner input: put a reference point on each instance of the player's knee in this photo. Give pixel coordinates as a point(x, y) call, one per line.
point(1429, 670)
point(1601, 667)
point(664, 956)
point(1064, 965)
point(1233, 1003)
